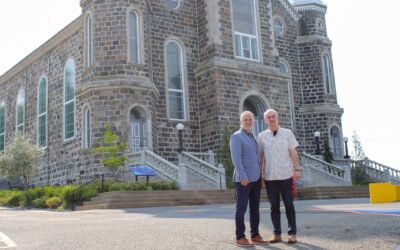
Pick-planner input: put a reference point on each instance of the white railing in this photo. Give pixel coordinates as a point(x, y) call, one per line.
point(336, 173)
point(214, 174)
point(207, 157)
point(147, 157)
point(378, 171)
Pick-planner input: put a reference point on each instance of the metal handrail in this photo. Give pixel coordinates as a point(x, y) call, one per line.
point(83, 185)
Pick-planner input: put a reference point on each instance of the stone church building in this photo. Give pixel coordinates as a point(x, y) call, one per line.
point(143, 66)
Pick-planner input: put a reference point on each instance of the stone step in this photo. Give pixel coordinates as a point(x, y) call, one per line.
point(132, 199)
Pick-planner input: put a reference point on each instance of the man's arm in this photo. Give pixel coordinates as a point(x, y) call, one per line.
point(236, 156)
point(296, 161)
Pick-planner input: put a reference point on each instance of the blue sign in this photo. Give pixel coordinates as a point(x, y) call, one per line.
point(142, 170)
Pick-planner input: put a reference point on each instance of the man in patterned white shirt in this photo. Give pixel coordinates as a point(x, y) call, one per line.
point(280, 162)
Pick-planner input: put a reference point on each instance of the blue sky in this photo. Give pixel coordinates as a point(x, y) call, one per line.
point(366, 48)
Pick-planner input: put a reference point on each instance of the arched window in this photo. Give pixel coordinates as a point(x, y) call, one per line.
point(172, 4)
point(284, 68)
point(245, 29)
point(87, 130)
point(133, 37)
point(69, 99)
point(335, 139)
point(20, 116)
point(42, 112)
point(2, 125)
point(176, 81)
point(89, 41)
point(327, 74)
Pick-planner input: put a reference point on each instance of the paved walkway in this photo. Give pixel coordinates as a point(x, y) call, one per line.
point(322, 224)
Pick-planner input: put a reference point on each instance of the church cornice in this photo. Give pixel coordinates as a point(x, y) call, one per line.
point(313, 38)
point(310, 7)
point(321, 108)
point(290, 9)
point(65, 33)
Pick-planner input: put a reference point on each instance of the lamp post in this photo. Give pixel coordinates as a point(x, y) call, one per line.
point(347, 156)
point(317, 134)
point(180, 127)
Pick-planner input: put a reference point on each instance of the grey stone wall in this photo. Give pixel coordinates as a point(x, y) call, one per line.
point(216, 82)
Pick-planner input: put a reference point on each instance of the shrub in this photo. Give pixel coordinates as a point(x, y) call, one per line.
point(14, 198)
point(53, 202)
point(39, 202)
point(67, 194)
point(31, 194)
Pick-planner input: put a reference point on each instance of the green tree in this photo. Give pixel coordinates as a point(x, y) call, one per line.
point(113, 149)
point(20, 159)
point(224, 157)
point(328, 156)
point(358, 152)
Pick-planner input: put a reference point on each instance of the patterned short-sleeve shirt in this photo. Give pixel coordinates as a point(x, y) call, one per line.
point(277, 162)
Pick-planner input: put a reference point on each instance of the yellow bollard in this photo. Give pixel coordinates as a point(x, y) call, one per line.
point(397, 192)
point(382, 192)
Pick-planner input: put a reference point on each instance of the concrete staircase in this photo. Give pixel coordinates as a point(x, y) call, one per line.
point(136, 199)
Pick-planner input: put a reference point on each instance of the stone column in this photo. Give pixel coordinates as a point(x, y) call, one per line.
point(182, 174)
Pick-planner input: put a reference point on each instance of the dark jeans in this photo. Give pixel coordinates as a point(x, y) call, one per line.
point(283, 188)
point(247, 195)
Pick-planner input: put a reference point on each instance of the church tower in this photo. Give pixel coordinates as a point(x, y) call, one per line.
point(320, 110)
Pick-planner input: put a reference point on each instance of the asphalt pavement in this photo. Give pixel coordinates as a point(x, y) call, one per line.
point(322, 224)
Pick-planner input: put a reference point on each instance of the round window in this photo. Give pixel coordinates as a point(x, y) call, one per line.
point(172, 4)
point(278, 27)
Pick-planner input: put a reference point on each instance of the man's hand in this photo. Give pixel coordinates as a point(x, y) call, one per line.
point(244, 182)
point(297, 175)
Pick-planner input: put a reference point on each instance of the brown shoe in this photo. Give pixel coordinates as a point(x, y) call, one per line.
point(258, 240)
point(292, 239)
point(243, 242)
point(275, 238)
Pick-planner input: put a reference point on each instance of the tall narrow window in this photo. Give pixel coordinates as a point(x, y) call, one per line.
point(284, 68)
point(89, 41)
point(327, 74)
point(87, 122)
point(175, 78)
point(2, 125)
point(133, 38)
point(20, 111)
point(42, 112)
point(69, 100)
point(335, 138)
point(245, 29)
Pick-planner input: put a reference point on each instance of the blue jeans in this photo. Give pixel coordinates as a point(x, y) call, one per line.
point(247, 195)
point(283, 188)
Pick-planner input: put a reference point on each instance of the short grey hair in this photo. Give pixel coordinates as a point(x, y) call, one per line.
point(246, 113)
point(270, 111)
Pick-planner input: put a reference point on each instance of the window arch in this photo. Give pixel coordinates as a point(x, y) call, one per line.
point(20, 111)
point(245, 29)
point(87, 129)
point(42, 112)
point(2, 125)
point(326, 70)
point(69, 99)
point(89, 41)
point(133, 36)
point(175, 75)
